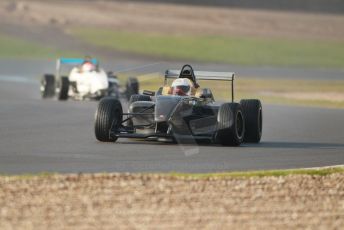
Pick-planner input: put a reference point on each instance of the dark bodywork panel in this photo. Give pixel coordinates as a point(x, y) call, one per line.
point(168, 116)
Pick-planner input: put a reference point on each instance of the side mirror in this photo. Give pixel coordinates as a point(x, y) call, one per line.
point(148, 93)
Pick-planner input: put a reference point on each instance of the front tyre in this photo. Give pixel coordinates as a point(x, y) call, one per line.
point(108, 117)
point(63, 89)
point(230, 125)
point(253, 114)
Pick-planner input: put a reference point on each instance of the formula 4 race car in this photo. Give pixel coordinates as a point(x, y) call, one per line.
point(182, 111)
point(86, 80)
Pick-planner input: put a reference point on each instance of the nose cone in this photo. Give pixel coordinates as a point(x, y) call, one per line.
point(99, 82)
point(164, 107)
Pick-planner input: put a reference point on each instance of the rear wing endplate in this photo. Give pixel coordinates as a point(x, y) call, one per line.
point(205, 75)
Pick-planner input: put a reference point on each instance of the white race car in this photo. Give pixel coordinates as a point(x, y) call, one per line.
point(86, 80)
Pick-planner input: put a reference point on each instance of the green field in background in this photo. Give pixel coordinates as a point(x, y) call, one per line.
point(274, 91)
point(233, 50)
point(12, 47)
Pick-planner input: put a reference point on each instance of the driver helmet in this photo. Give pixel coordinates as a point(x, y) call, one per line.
point(88, 67)
point(181, 87)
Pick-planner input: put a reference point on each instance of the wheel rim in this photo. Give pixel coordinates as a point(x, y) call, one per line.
point(116, 119)
point(239, 125)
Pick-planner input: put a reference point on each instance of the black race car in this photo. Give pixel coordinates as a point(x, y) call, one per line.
point(164, 115)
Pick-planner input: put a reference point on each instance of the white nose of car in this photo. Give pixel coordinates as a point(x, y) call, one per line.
point(98, 81)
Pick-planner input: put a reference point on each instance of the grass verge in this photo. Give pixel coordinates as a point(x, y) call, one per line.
point(246, 174)
point(263, 173)
point(13, 47)
point(233, 50)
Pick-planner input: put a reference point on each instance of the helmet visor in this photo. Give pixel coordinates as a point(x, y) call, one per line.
point(181, 90)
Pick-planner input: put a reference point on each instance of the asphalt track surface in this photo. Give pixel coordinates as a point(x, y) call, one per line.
point(50, 136)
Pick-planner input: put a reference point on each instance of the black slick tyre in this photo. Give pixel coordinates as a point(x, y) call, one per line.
point(252, 109)
point(109, 116)
point(47, 86)
point(63, 89)
point(230, 125)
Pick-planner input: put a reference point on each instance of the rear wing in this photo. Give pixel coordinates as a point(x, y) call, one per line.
point(205, 75)
point(71, 62)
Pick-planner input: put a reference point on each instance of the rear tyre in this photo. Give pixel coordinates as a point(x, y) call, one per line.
point(47, 86)
point(113, 90)
point(108, 117)
point(252, 109)
point(132, 87)
point(63, 89)
point(230, 125)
